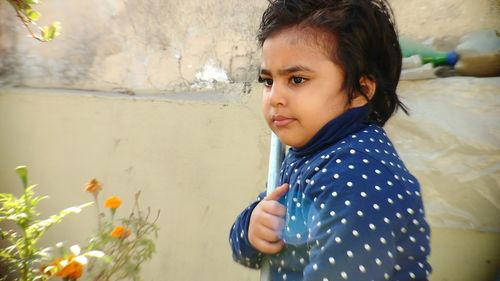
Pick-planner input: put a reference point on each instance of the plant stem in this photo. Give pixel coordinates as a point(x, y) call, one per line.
point(26, 23)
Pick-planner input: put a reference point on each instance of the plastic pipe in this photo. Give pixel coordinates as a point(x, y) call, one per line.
point(276, 155)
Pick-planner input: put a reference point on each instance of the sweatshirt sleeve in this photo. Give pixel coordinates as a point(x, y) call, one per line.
point(243, 252)
point(357, 210)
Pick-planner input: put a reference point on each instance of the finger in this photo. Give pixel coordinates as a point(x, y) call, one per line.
point(278, 192)
point(267, 234)
point(274, 208)
point(273, 222)
point(269, 248)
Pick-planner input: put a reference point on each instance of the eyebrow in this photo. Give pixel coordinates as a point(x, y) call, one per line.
point(286, 71)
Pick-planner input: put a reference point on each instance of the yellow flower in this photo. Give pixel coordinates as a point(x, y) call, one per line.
point(93, 186)
point(120, 232)
point(113, 202)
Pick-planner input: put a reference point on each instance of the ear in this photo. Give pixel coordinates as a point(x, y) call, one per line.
point(369, 86)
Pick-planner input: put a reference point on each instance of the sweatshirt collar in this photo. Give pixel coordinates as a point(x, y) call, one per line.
point(335, 130)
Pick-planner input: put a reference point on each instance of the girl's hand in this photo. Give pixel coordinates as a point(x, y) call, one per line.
point(267, 222)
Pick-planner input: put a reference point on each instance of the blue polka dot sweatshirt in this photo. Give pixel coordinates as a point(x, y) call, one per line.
point(354, 211)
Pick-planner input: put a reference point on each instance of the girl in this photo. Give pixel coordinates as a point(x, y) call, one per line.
point(348, 208)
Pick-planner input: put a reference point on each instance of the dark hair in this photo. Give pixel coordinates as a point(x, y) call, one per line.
point(361, 37)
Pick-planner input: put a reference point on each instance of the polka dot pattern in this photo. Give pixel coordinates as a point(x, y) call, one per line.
point(354, 212)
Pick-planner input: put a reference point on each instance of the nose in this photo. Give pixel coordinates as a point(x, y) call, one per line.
point(277, 95)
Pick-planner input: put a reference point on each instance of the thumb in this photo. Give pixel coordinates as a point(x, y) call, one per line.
point(278, 192)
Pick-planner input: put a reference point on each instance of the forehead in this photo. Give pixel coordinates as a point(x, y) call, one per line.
point(304, 36)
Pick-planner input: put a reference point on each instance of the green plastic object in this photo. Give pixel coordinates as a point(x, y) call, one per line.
point(410, 47)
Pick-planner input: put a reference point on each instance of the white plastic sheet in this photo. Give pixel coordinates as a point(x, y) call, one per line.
point(451, 142)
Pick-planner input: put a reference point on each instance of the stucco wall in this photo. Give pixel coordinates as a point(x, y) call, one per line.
point(140, 45)
point(445, 18)
point(157, 46)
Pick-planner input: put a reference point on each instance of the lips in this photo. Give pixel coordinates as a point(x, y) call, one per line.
point(281, 121)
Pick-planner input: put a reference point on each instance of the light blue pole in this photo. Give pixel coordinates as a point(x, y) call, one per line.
point(276, 155)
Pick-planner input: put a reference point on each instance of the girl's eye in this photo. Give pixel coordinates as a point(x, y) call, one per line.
point(298, 80)
point(267, 82)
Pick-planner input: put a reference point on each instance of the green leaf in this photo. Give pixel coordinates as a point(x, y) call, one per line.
point(57, 28)
point(107, 259)
point(51, 270)
point(11, 250)
point(38, 229)
point(19, 5)
point(5, 256)
point(51, 32)
point(46, 33)
point(22, 171)
point(32, 14)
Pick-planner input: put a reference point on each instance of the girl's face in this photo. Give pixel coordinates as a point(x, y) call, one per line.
point(302, 86)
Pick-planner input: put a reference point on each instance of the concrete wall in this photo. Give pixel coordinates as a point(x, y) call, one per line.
point(445, 18)
point(156, 46)
point(159, 96)
point(144, 46)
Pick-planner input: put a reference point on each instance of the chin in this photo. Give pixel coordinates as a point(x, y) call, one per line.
point(288, 141)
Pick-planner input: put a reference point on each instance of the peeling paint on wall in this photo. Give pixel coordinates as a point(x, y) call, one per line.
point(9, 75)
point(141, 46)
point(210, 72)
point(170, 46)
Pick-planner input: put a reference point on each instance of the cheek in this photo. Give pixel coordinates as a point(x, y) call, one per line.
point(324, 109)
point(336, 101)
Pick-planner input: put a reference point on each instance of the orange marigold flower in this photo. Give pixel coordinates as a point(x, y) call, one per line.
point(72, 270)
point(93, 186)
point(120, 232)
point(52, 267)
point(113, 202)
